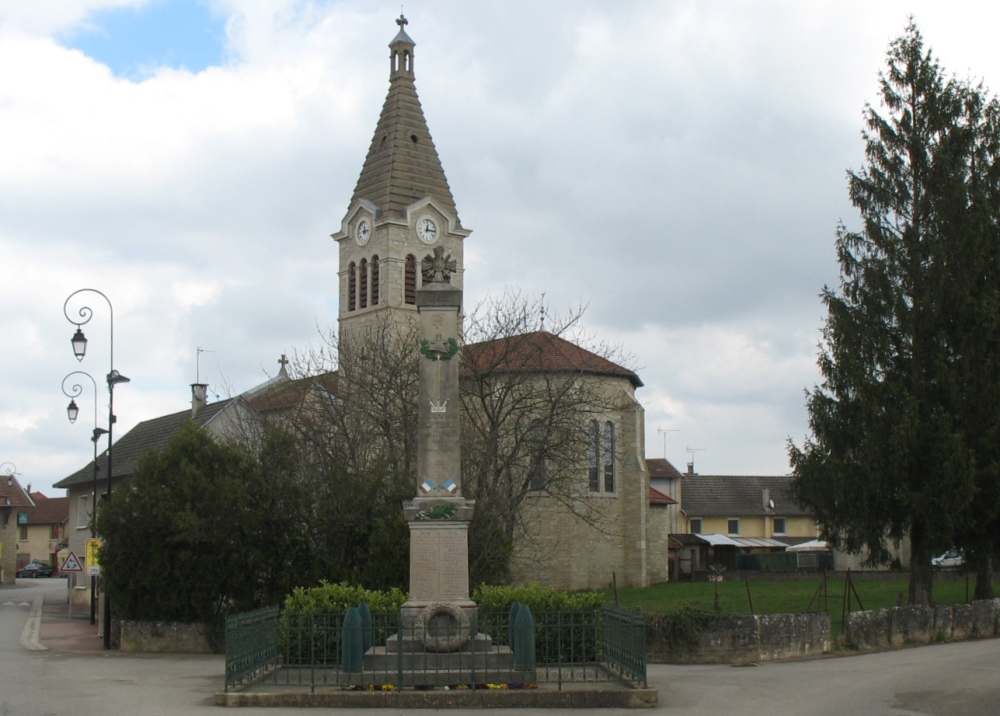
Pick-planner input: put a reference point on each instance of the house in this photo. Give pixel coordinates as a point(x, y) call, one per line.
point(729, 515)
point(43, 533)
point(14, 505)
point(230, 417)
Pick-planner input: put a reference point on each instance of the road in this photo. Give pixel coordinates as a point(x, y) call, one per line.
point(938, 680)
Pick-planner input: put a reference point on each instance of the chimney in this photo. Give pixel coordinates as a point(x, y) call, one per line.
point(690, 470)
point(199, 397)
point(765, 498)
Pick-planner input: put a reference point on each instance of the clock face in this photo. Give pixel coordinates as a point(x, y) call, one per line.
point(427, 230)
point(363, 233)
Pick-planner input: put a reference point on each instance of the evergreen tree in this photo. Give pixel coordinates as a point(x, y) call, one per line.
point(893, 451)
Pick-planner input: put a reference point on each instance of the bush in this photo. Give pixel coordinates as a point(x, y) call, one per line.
point(312, 620)
point(682, 627)
point(567, 624)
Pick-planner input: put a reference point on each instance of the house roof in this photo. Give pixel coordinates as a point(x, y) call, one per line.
point(49, 511)
point(661, 468)
point(12, 494)
point(738, 495)
point(539, 351)
point(148, 434)
point(402, 165)
point(658, 498)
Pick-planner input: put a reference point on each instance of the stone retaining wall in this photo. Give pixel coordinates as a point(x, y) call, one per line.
point(748, 639)
point(901, 626)
point(159, 637)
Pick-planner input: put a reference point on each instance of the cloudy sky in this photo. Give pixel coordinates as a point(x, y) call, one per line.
point(678, 166)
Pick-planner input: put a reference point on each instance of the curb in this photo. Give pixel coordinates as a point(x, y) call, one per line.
point(576, 699)
point(33, 627)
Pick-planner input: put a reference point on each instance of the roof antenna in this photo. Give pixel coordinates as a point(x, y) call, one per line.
point(692, 451)
point(541, 311)
point(664, 432)
point(197, 362)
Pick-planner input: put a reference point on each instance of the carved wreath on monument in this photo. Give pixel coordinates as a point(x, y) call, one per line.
point(443, 627)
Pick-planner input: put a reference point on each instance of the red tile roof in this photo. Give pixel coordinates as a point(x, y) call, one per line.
point(658, 498)
point(49, 511)
point(12, 494)
point(539, 351)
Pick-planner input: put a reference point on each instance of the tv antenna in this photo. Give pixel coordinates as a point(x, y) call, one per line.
point(197, 362)
point(663, 432)
point(691, 451)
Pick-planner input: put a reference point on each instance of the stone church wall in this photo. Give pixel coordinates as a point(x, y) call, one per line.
point(603, 537)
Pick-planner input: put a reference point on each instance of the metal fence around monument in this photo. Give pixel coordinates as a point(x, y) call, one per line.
point(266, 649)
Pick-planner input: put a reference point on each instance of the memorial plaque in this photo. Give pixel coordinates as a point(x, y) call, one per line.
point(439, 561)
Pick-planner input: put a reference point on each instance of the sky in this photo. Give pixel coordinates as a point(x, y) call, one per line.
point(676, 166)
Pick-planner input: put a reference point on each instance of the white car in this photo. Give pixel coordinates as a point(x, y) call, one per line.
point(951, 558)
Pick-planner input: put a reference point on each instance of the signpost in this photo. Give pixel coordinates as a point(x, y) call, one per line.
point(72, 564)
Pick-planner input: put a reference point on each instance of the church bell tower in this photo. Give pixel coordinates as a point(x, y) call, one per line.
point(402, 209)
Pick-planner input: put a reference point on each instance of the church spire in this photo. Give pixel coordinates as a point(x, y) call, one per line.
point(402, 165)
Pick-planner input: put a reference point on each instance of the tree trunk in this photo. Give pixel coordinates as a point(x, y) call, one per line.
point(983, 564)
point(921, 571)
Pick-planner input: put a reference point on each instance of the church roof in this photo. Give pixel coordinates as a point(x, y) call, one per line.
point(541, 351)
point(402, 165)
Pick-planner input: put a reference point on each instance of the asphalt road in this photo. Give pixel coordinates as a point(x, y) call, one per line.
point(939, 680)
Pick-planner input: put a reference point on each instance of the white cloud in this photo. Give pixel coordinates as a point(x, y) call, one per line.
point(678, 166)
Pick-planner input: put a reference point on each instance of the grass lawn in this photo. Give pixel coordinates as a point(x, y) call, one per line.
point(782, 597)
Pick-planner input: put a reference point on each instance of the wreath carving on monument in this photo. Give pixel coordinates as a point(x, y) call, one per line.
point(445, 627)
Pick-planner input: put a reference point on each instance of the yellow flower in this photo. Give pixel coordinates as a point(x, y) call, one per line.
point(388, 687)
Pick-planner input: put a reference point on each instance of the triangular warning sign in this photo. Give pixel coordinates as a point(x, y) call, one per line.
point(72, 564)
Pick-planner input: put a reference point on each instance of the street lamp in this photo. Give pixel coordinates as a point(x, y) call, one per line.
point(9, 471)
point(72, 411)
point(79, 342)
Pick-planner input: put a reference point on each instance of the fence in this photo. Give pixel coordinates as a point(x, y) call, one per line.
point(322, 650)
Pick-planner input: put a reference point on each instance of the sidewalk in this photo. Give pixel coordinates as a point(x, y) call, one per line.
point(70, 635)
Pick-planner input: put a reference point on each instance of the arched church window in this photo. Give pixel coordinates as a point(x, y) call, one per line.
point(375, 280)
point(410, 282)
point(363, 280)
point(609, 457)
point(352, 287)
point(593, 453)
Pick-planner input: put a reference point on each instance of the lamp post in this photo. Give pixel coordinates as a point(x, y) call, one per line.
point(9, 472)
point(79, 341)
point(72, 411)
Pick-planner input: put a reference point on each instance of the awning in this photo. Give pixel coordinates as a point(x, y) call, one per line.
point(816, 545)
point(759, 542)
point(719, 540)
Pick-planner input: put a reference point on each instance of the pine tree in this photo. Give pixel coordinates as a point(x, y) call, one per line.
point(893, 452)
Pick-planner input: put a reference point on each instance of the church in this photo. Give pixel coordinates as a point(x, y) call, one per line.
point(584, 517)
point(552, 433)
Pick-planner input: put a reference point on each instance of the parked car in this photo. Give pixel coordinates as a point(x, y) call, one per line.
point(34, 570)
point(951, 558)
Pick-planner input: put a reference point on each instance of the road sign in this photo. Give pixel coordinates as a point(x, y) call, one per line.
point(72, 564)
point(93, 566)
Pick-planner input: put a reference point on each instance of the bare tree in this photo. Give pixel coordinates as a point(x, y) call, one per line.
point(532, 400)
point(529, 399)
